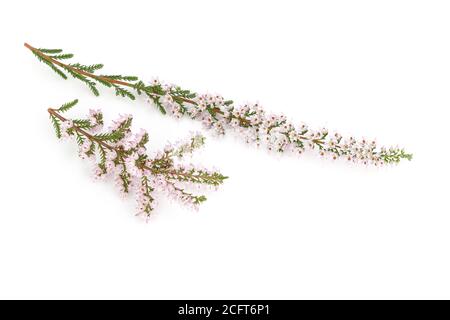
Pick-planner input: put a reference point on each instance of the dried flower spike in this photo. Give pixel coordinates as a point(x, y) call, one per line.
point(251, 121)
point(119, 153)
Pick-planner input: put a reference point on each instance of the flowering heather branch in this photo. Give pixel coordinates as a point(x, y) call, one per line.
point(252, 122)
point(119, 153)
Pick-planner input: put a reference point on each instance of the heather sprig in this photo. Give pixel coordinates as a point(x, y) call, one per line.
point(250, 120)
point(53, 58)
point(119, 153)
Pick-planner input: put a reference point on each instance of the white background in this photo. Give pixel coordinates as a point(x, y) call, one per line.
point(281, 226)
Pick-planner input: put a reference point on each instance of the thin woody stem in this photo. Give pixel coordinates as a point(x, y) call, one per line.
point(66, 66)
point(93, 76)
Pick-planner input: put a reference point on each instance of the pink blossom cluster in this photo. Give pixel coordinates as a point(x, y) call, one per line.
point(122, 155)
point(254, 125)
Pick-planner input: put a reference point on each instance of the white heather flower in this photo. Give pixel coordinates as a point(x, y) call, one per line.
point(65, 126)
point(86, 146)
point(109, 165)
point(293, 135)
point(111, 155)
point(234, 123)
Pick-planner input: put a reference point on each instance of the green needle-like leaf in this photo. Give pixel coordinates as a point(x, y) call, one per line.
point(67, 106)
